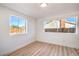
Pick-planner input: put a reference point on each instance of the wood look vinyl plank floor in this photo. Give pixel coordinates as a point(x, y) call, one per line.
point(45, 49)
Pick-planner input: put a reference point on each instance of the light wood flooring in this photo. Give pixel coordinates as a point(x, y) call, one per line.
point(45, 49)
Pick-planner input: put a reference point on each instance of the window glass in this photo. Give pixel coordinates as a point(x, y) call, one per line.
point(17, 25)
point(66, 25)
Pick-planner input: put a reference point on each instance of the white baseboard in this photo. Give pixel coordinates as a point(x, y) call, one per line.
point(7, 53)
point(58, 44)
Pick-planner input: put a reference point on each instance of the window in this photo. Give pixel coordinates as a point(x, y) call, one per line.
point(67, 25)
point(17, 25)
point(51, 26)
point(70, 24)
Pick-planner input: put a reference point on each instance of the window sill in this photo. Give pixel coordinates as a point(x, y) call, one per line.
point(13, 34)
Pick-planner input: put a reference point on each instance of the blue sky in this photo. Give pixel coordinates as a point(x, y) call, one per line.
point(14, 21)
point(71, 19)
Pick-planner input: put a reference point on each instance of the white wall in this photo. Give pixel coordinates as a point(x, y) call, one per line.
point(64, 39)
point(10, 43)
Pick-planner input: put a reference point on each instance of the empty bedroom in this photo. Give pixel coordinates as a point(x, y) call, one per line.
point(39, 29)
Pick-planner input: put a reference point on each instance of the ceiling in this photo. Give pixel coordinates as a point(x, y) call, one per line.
point(34, 9)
